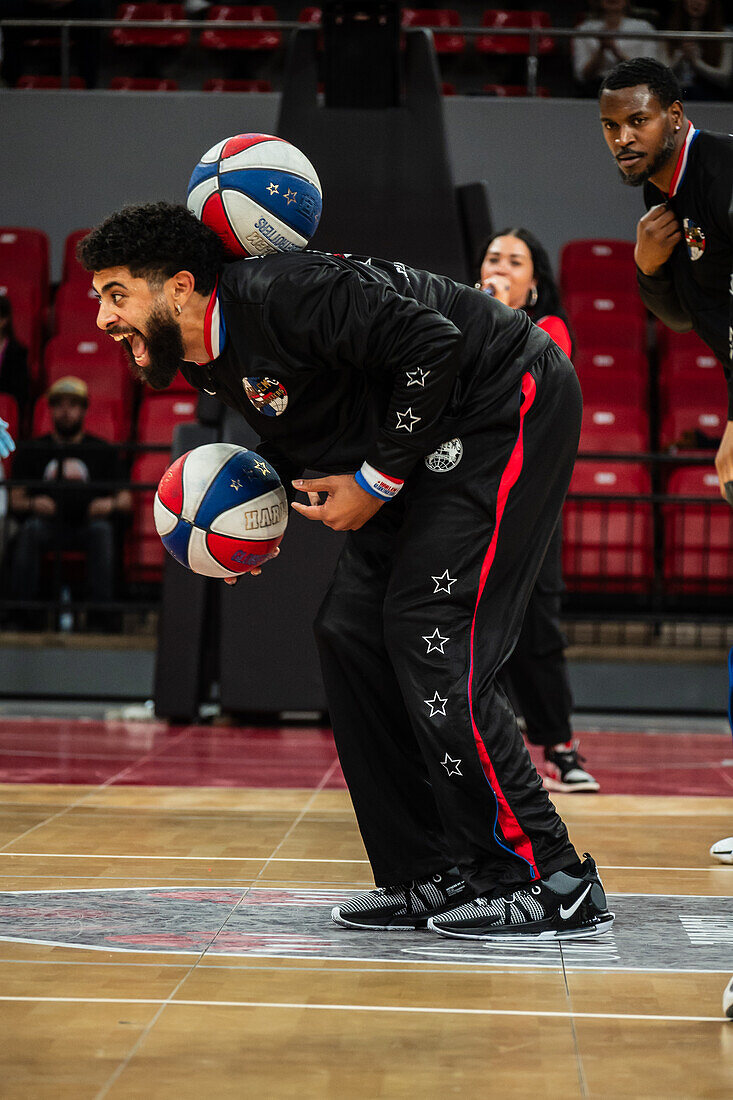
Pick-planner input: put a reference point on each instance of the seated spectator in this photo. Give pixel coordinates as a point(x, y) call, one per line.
point(704, 69)
point(593, 58)
point(67, 514)
point(14, 376)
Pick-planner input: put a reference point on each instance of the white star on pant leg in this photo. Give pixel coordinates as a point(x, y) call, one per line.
point(443, 583)
point(437, 705)
point(435, 641)
point(453, 767)
point(406, 419)
point(417, 377)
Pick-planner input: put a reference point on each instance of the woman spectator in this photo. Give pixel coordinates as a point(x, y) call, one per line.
point(593, 58)
point(704, 68)
point(516, 270)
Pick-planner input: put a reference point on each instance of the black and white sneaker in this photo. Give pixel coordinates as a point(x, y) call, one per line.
point(403, 907)
point(562, 906)
point(564, 770)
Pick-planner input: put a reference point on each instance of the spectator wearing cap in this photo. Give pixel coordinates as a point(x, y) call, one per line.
point(75, 503)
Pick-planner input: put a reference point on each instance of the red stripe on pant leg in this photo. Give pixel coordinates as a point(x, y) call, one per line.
point(510, 827)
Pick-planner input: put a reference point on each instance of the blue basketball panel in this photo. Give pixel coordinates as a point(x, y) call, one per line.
point(201, 172)
point(239, 481)
point(176, 543)
point(289, 197)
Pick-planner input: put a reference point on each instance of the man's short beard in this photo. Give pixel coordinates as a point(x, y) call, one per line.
point(165, 349)
point(661, 159)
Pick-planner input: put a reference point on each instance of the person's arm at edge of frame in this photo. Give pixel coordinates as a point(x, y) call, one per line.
point(724, 457)
point(657, 235)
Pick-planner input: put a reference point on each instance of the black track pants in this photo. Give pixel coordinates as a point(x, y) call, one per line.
point(536, 674)
point(425, 607)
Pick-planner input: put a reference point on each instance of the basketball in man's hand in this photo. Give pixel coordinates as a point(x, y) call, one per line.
point(220, 510)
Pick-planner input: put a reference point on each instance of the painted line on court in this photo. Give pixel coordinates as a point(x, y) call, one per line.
point(404, 1009)
point(301, 859)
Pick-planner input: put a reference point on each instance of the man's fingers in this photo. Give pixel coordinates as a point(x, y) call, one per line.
point(315, 484)
point(310, 511)
point(314, 498)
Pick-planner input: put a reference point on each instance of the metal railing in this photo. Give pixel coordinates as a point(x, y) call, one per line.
point(532, 34)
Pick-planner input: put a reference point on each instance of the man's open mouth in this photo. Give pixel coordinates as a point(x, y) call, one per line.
point(629, 158)
point(136, 343)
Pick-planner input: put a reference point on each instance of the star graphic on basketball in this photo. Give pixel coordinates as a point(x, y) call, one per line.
point(262, 467)
point(443, 583)
point(435, 641)
point(417, 376)
point(274, 188)
point(290, 196)
point(236, 485)
point(453, 767)
point(406, 419)
point(437, 705)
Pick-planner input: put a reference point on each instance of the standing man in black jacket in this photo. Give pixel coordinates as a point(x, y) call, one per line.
point(684, 243)
point(446, 425)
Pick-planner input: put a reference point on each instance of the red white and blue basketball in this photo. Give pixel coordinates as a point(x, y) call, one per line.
point(220, 510)
point(259, 193)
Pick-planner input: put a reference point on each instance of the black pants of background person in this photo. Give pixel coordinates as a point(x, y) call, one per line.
point(39, 534)
point(19, 58)
point(426, 605)
point(536, 675)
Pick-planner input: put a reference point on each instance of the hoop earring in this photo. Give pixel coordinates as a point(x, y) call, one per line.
point(532, 300)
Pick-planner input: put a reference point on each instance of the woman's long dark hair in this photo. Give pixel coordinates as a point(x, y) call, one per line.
point(548, 294)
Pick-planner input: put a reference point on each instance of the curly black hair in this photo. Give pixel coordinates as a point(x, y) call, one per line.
point(659, 79)
point(155, 240)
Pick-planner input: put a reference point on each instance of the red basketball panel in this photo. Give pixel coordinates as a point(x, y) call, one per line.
point(214, 215)
point(243, 141)
point(239, 555)
point(170, 489)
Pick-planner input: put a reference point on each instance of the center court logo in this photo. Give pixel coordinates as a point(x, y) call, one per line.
point(446, 458)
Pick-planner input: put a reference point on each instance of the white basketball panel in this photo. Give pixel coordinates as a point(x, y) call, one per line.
point(201, 561)
point(165, 520)
point(244, 214)
point(201, 192)
point(212, 155)
point(271, 154)
point(263, 517)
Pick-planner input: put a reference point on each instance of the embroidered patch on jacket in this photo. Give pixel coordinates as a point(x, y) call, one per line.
point(694, 239)
point(267, 395)
point(446, 458)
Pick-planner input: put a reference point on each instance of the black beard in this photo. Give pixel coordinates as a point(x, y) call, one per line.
point(165, 351)
point(67, 431)
point(661, 159)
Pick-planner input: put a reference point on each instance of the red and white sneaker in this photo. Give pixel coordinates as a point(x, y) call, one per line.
point(564, 770)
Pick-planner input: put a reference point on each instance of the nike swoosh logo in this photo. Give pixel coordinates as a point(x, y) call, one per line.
point(565, 913)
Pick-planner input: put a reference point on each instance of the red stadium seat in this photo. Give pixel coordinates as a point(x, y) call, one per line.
point(219, 85)
point(105, 417)
point(610, 374)
point(145, 553)
point(33, 81)
point(142, 84)
point(216, 38)
point(496, 18)
point(75, 310)
point(72, 269)
point(436, 19)
point(310, 15)
point(608, 544)
point(100, 362)
point(695, 421)
point(698, 537)
point(446, 88)
point(25, 252)
point(669, 342)
point(612, 359)
point(610, 330)
point(160, 414)
point(614, 429)
point(162, 37)
point(613, 302)
point(515, 90)
point(598, 264)
point(694, 361)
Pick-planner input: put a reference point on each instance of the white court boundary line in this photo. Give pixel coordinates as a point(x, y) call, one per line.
point(298, 859)
point(403, 1009)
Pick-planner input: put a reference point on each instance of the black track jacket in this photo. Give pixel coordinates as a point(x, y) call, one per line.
point(337, 360)
point(694, 289)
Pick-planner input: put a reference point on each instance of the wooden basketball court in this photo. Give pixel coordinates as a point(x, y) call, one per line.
point(165, 931)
